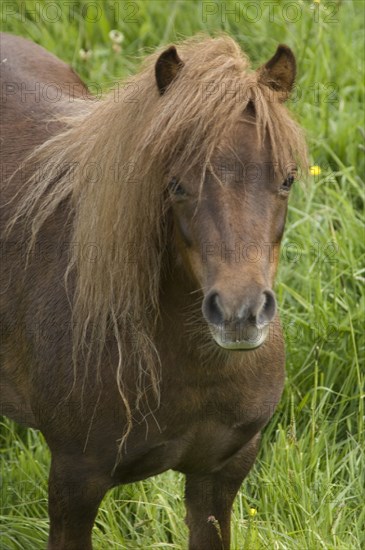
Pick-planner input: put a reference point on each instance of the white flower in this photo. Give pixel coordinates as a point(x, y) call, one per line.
point(85, 54)
point(116, 36)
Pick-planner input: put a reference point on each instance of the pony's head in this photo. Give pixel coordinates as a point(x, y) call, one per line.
point(229, 207)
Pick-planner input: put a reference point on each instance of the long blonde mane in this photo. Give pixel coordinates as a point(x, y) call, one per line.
point(113, 162)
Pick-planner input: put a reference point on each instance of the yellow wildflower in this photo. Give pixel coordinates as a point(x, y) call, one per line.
point(252, 512)
point(315, 170)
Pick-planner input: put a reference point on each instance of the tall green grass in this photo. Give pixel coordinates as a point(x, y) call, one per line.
point(307, 486)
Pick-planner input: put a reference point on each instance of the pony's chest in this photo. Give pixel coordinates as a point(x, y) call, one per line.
point(205, 433)
point(198, 428)
point(224, 429)
point(204, 447)
point(207, 446)
point(214, 420)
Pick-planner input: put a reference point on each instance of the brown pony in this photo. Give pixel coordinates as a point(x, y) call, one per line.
point(140, 242)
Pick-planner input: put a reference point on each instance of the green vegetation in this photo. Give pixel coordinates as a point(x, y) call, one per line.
point(308, 483)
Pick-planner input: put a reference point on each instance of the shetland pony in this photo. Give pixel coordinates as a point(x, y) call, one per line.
point(140, 242)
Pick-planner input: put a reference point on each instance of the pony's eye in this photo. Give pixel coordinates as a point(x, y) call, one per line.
point(176, 188)
point(286, 185)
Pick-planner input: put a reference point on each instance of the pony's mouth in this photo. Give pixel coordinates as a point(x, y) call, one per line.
point(240, 338)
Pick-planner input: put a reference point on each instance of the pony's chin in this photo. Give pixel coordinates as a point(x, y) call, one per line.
point(252, 343)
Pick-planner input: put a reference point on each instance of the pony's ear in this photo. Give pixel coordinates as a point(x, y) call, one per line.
point(279, 72)
point(167, 67)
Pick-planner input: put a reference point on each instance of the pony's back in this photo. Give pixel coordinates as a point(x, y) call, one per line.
point(35, 85)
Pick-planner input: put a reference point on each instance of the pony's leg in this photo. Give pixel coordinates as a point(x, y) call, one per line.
point(209, 500)
point(75, 491)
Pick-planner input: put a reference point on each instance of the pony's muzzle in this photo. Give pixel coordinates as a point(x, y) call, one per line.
point(239, 323)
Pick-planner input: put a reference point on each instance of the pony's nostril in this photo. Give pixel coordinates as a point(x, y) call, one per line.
point(268, 309)
point(212, 309)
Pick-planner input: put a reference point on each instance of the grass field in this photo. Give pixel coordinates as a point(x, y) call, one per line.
point(307, 487)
